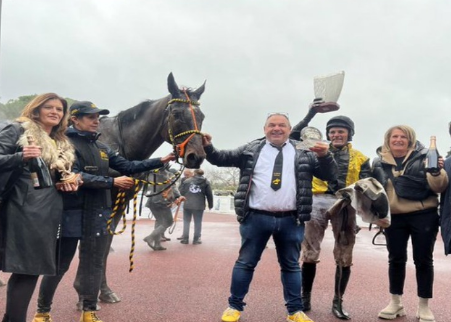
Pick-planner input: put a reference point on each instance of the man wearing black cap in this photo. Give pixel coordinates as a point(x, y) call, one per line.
point(86, 213)
point(352, 166)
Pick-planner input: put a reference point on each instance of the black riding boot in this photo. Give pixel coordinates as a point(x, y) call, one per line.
point(308, 276)
point(341, 281)
point(5, 318)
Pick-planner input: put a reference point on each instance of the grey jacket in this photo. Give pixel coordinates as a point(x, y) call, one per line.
point(196, 189)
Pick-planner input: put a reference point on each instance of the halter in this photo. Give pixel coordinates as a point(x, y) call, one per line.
point(179, 149)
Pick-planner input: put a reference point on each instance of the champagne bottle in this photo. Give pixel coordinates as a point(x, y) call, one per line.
point(40, 174)
point(431, 164)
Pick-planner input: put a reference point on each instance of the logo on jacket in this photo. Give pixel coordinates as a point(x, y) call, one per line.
point(194, 188)
point(103, 155)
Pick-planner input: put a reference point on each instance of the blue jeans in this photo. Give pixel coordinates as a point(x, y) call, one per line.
point(255, 232)
point(197, 215)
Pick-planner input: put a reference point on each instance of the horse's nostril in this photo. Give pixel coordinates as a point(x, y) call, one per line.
point(193, 161)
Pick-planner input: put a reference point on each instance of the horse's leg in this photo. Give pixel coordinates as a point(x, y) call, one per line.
point(106, 293)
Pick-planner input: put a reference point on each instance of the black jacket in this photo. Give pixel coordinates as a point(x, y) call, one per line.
point(245, 157)
point(413, 165)
point(87, 211)
point(30, 218)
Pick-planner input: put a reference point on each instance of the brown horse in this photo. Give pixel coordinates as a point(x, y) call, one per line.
point(137, 132)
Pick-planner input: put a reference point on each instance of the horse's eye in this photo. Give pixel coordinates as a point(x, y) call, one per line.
point(177, 114)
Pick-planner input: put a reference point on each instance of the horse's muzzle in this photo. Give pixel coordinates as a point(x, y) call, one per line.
point(193, 160)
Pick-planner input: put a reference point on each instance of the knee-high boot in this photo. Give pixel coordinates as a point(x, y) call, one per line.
point(308, 276)
point(341, 281)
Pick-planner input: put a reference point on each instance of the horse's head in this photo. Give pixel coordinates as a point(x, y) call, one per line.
point(184, 119)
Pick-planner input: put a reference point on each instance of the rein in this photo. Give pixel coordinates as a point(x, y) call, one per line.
point(179, 149)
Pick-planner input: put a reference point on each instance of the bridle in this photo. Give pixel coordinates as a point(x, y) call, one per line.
point(179, 149)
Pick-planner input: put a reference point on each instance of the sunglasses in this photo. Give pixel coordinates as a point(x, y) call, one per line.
point(277, 113)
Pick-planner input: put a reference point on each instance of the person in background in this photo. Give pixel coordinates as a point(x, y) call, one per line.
point(352, 166)
point(187, 173)
point(31, 217)
point(412, 216)
point(196, 190)
point(87, 212)
point(160, 199)
point(274, 198)
point(445, 207)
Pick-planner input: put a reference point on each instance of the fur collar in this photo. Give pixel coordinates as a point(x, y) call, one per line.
point(52, 151)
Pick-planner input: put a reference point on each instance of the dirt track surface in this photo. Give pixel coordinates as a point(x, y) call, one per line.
point(191, 282)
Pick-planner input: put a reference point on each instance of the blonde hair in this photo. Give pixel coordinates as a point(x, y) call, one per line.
point(32, 110)
point(407, 130)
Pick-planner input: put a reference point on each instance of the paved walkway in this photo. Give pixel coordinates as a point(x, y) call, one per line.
point(191, 282)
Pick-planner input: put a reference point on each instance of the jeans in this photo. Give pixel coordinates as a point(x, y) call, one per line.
point(197, 215)
point(255, 232)
point(66, 250)
point(423, 229)
point(90, 270)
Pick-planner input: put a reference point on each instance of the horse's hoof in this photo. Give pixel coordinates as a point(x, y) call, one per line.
point(109, 297)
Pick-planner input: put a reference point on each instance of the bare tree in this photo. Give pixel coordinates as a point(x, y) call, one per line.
point(223, 178)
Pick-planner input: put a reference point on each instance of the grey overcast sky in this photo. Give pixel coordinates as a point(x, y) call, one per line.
point(258, 56)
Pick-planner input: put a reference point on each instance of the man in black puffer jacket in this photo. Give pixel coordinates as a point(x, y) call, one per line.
point(274, 198)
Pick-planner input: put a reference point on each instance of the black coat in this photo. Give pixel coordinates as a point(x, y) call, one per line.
point(30, 218)
point(445, 211)
point(87, 211)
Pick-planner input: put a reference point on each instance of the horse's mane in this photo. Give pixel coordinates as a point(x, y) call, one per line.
point(137, 110)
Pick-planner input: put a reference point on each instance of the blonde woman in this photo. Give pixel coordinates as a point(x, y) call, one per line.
point(31, 217)
point(413, 216)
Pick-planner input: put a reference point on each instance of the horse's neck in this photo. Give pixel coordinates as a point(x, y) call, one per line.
point(142, 137)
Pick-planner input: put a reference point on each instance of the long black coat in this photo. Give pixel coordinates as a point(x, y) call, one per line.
point(30, 217)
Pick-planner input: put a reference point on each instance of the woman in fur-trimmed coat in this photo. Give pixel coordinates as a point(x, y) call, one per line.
point(30, 218)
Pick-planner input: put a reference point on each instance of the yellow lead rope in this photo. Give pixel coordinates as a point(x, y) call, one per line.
point(119, 209)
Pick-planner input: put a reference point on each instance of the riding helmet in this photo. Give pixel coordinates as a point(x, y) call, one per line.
point(341, 121)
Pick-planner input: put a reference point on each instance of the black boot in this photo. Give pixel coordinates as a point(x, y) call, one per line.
point(308, 276)
point(341, 281)
point(5, 318)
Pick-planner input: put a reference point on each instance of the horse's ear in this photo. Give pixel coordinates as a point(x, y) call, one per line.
point(198, 92)
point(173, 87)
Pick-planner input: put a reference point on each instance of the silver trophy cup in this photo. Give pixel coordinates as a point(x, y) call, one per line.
point(327, 91)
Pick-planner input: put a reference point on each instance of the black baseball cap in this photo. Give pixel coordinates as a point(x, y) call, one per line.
point(86, 107)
